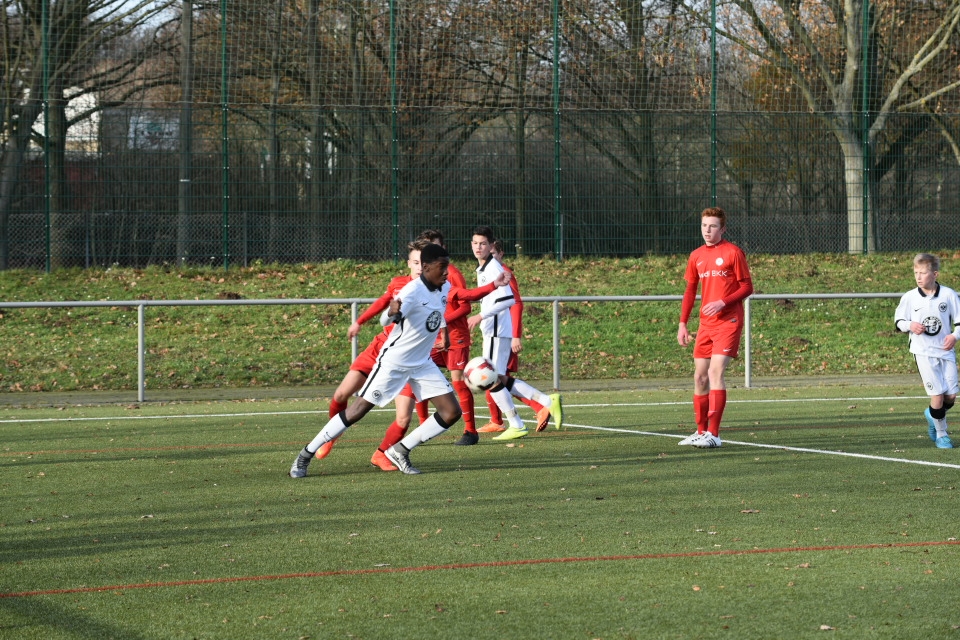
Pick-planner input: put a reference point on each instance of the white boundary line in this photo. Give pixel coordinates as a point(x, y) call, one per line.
point(579, 426)
point(765, 401)
point(318, 411)
point(778, 447)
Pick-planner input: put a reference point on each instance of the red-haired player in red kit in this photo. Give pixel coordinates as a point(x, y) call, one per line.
point(722, 268)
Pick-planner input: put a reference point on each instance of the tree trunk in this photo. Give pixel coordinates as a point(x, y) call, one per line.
point(860, 223)
point(358, 134)
point(521, 56)
point(273, 153)
point(59, 196)
point(318, 165)
point(24, 115)
point(186, 137)
point(642, 145)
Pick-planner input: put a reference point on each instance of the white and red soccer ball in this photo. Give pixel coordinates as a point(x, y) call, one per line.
point(480, 374)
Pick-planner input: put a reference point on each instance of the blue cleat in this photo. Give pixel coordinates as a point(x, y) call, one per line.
point(931, 424)
point(944, 442)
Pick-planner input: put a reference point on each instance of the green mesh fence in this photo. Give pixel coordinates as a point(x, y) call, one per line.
point(304, 130)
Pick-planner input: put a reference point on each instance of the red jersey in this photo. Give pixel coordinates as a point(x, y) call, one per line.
point(458, 308)
point(381, 303)
point(722, 268)
point(455, 278)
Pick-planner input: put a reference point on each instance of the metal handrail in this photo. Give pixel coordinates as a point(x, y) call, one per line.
point(355, 302)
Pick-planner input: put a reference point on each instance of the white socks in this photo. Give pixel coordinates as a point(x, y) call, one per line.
point(523, 390)
point(429, 429)
point(505, 401)
point(330, 431)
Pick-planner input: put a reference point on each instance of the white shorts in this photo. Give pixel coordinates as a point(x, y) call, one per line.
point(497, 351)
point(385, 383)
point(939, 375)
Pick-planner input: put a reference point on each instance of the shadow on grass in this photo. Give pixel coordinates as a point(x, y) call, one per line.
point(38, 615)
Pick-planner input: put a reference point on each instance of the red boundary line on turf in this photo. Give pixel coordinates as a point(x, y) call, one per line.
point(472, 565)
point(172, 447)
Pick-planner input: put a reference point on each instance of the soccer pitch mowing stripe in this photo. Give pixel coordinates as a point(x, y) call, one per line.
point(473, 565)
point(248, 414)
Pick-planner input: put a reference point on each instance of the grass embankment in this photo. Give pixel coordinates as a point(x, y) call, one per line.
point(270, 346)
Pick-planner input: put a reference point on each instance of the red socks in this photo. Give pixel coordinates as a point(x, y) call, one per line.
point(533, 404)
point(701, 406)
point(718, 400)
point(496, 416)
point(337, 407)
point(466, 405)
point(423, 411)
point(394, 435)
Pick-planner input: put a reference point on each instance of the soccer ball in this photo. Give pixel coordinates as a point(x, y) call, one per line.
point(480, 374)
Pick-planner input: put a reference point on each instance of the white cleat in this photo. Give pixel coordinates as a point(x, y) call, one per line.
point(708, 441)
point(690, 439)
point(401, 461)
point(299, 468)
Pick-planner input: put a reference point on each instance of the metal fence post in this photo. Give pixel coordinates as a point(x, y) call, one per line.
point(746, 343)
point(141, 349)
point(556, 345)
point(353, 341)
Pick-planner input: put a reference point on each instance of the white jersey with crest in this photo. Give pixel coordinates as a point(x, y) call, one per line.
point(422, 307)
point(495, 306)
point(938, 313)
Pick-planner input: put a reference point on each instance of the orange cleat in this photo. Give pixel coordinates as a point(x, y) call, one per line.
point(543, 419)
point(491, 427)
point(324, 449)
point(382, 462)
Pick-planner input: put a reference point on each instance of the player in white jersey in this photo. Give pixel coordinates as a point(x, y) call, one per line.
point(417, 312)
point(496, 324)
point(931, 315)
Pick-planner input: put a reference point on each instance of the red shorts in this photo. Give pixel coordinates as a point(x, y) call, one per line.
point(513, 364)
point(368, 357)
point(453, 359)
point(722, 339)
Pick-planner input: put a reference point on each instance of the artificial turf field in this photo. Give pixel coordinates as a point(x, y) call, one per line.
point(826, 512)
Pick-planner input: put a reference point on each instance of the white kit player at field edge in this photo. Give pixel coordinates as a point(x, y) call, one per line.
point(418, 314)
point(930, 314)
point(496, 325)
